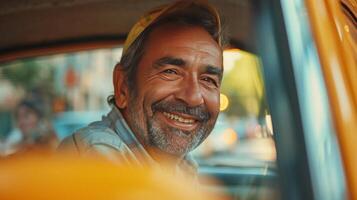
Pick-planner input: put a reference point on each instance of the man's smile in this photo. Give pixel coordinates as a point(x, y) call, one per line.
point(179, 117)
point(180, 121)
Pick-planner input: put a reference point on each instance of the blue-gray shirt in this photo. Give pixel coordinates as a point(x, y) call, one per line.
point(113, 139)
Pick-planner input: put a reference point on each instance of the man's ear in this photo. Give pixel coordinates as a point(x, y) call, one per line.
point(120, 87)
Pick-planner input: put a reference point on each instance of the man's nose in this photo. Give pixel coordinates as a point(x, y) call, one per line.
point(190, 92)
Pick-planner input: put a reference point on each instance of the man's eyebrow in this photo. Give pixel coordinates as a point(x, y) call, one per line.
point(169, 60)
point(214, 71)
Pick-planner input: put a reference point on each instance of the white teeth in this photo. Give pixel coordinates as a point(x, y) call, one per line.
point(178, 118)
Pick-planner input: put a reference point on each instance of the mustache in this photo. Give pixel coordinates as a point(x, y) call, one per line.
point(199, 112)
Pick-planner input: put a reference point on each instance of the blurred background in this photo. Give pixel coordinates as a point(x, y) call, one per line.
point(71, 91)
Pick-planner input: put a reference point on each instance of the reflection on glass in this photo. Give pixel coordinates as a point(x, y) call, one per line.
point(320, 137)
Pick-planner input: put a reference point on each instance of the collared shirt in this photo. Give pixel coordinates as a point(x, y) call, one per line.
point(113, 139)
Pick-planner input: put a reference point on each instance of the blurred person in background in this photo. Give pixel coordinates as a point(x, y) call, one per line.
point(166, 90)
point(34, 131)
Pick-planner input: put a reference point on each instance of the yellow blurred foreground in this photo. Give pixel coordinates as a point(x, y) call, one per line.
point(61, 177)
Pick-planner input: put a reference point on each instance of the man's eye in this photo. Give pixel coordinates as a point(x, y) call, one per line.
point(210, 81)
point(170, 71)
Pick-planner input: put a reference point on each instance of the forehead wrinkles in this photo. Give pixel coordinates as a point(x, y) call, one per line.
point(194, 55)
point(199, 47)
point(184, 40)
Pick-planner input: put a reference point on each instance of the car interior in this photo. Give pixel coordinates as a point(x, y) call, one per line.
point(64, 51)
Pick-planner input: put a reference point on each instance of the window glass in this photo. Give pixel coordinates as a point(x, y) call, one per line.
point(72, 89)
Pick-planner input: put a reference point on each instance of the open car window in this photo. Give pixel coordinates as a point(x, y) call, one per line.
point(73, 87)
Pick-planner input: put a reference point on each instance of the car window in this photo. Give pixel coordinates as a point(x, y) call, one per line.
point(73, 87)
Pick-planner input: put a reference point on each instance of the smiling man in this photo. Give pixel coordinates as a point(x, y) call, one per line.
point(166, 89)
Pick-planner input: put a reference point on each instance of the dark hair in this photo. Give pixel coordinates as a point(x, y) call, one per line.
point(194, 16)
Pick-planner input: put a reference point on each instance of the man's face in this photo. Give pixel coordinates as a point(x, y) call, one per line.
point(176, 100)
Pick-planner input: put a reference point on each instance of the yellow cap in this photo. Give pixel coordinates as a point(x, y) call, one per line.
point(162, 11)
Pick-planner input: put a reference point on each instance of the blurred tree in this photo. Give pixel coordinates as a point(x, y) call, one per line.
point(243, 84)
point(22, 74)
point(34, 76)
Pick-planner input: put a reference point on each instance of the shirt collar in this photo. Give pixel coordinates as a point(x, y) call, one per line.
point(122, 129)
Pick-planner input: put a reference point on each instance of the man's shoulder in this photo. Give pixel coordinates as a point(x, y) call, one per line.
point(95, 134)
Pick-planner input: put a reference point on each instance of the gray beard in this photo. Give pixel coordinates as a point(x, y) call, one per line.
point(163, 140)
point(157, 136)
